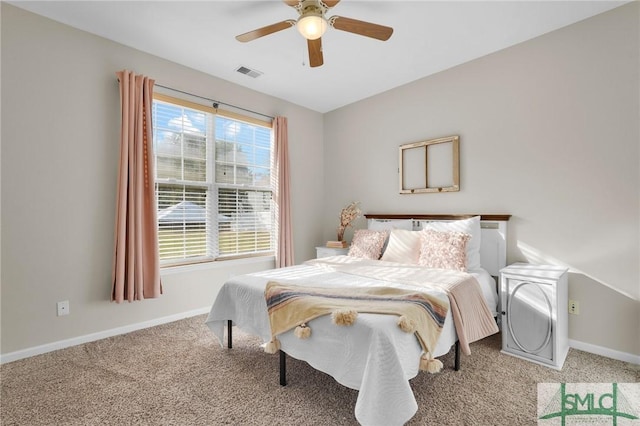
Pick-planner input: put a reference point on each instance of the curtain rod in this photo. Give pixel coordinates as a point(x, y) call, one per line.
point(215, 102)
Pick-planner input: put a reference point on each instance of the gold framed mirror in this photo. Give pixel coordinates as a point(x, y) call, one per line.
point(430, 166)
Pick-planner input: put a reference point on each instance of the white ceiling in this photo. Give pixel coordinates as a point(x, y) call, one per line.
point(429, 36)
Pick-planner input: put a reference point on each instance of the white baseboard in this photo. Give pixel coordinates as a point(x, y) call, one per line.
point(609, 353)
point(50, 347)
point(54, 346)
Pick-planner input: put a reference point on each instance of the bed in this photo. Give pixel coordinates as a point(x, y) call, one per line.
point(372, 355)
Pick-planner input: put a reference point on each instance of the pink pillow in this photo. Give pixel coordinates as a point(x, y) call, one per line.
point(367, 244)
point(444, 250)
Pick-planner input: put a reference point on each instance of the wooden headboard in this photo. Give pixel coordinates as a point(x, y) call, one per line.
point(493, 245)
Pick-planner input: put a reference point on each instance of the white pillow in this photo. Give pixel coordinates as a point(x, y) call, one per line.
point(387, 225)
point(469, 226)
point(403, 247)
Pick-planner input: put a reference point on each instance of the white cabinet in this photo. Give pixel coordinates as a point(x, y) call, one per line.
point(330, 251)
point(534, 300)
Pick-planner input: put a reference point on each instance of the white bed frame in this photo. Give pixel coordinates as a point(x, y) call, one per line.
point(493, 256)
point(493, 245)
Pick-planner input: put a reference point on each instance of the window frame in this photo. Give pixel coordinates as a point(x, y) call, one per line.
point(212, 187)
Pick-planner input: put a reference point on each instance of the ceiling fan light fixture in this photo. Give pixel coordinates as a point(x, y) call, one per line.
point(312, 26)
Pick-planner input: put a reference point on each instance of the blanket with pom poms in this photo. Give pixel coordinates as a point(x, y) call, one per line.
point(293, 306)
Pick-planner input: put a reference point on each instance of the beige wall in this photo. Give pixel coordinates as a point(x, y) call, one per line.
point(549, 133)
point(60, 142)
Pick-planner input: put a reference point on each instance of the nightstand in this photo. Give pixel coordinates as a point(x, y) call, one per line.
point(535, 313)
point(323, 251)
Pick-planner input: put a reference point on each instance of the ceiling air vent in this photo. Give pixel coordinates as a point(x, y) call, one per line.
point(249, 72)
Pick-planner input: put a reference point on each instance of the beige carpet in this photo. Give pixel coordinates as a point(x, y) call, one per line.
point(177, 374)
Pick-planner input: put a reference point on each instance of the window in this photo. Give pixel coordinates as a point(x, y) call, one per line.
point(213, 183)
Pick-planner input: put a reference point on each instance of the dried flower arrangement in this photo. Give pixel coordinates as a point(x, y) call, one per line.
point(347, 216)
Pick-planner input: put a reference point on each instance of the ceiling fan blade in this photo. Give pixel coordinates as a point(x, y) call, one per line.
point(292, 3)
point(269, 29)
point(367, 29)
point(315, 52)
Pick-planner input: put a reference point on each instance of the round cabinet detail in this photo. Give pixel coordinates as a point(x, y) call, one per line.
point(529, 314)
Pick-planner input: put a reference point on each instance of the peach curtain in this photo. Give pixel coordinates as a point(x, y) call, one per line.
point(136, 264)
point(284, 254)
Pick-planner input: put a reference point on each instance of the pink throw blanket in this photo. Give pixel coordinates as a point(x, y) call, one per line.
point(472, 318)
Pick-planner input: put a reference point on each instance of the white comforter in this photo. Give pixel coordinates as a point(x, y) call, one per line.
point(372, 356)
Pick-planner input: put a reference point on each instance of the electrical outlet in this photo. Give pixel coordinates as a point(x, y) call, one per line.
point(63, 308)
point(574, 307)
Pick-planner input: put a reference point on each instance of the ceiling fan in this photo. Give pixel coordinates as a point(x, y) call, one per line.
point(312, 23)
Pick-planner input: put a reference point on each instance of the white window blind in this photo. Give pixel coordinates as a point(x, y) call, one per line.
point(213, 184)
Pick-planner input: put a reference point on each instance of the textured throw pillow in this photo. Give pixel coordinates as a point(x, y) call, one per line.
point(403, 247)
point(367, 244)
point(469, 226)
point(444, 250)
